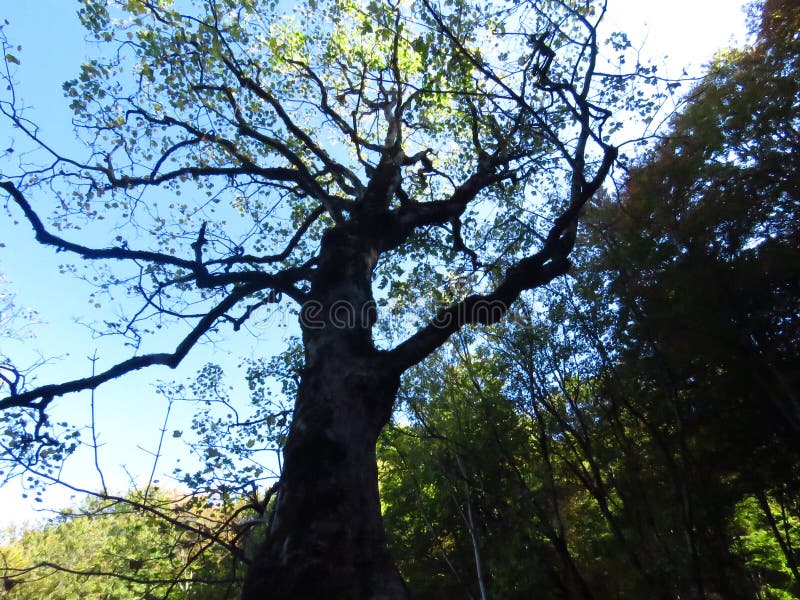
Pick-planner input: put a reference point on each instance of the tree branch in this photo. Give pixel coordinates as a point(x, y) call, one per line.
point(281, 281)
point(40, 397)
point(526, 274)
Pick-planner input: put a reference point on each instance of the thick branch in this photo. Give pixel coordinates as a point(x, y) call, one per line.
point(40, 397)
point(48, 239)
point(284, 254)
point(300, 174)
point(527, 274)
point(412, 215)
point(333, 166)
point(326, 107)
point(549, 132)
point(281, 281)
point(478, 309)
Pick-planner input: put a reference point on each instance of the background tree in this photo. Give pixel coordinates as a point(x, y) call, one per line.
point(15, 323)
point(237, 157)
point(653, 420)
point(124, 550)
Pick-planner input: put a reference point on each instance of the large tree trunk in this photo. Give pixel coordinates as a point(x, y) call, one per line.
point(327, 538)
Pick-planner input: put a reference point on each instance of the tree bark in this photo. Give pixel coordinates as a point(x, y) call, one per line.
point(327, 538)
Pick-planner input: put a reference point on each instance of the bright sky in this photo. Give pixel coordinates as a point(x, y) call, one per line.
point(684, 32)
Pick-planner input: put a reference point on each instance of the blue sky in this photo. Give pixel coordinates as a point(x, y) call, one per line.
point(129, 413)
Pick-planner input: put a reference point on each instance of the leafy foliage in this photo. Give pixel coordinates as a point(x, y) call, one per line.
point(634, 435)
point(651, 448)
point(103, 549)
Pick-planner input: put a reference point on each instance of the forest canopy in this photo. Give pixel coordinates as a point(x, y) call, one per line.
point(631, 432)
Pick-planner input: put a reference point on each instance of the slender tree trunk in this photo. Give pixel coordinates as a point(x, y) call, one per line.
point(473, 536)
point(784, 543)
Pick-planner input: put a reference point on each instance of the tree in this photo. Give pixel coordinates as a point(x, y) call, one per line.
point(327, 151)
point(120, 549)
point(707, 231)
point(700, 256)
point(657, 387)
point(524, 470)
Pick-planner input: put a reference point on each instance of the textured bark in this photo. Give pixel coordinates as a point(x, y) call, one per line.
point(327, 538)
